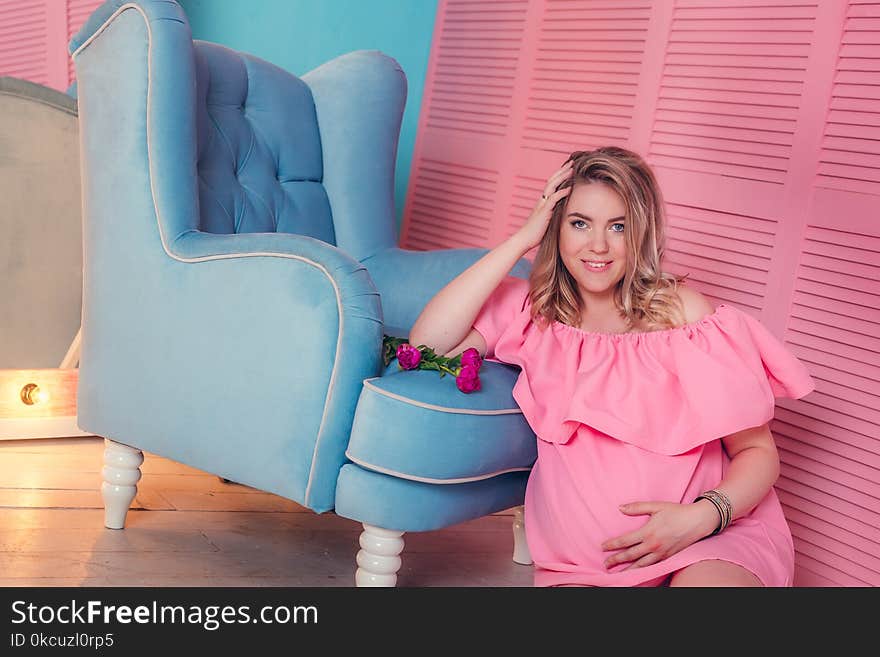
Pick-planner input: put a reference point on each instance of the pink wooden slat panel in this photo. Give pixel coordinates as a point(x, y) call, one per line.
point(827, 562)
point(854, 164)
point(851, 501)
point(34, 35)
point(733, 89)
point(829, 472)
point(839, 543)
point(848, 568)
point(858, 369)
point(829, 416)
point(825, 442)
point(796, 446)
point(804, 576)
point(77, 13)
point(484, 31)
point(450, 203)
point(738, 50)
point(24, 40)
point(838, 520)
point(584, 79)
point(469, 101)
point(735, 11)
point(735, 269)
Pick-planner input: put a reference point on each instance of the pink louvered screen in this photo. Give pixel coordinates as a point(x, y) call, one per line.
point(77, 13)
point(762, 121)
point(34, 35)
point(24, 40)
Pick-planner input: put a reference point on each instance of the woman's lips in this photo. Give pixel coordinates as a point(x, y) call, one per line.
point(597, 270)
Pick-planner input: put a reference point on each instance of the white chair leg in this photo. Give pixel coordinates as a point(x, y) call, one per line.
point(378, 559)
point(521, 552)
point(121, 473)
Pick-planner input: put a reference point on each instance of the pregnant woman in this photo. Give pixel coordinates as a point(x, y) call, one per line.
point(655, 461)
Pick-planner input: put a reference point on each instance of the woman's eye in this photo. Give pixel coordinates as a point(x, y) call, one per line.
point(618, 228)
point(578, 223)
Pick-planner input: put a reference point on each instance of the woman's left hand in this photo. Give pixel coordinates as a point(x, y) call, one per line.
point(672, 528)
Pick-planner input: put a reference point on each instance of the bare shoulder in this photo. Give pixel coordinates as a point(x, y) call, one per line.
point(696, 306)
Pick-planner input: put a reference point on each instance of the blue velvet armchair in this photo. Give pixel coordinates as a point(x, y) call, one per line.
point(240, 270)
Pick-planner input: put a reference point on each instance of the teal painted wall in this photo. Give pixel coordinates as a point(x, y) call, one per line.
point(299, 35)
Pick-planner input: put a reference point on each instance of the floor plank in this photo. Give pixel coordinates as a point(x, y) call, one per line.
point(189, 528)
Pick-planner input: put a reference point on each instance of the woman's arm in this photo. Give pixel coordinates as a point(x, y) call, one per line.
point(754, 468)
point(754, 461)
point(448, 317)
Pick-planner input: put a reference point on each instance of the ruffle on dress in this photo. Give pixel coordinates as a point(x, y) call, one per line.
point(666, 391)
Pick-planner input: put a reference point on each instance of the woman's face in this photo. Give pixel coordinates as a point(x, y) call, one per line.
point(592, 231)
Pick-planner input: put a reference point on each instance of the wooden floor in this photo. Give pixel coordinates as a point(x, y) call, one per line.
point(188, 528)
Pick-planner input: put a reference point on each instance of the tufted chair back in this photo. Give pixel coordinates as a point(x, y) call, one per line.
point(258, 148)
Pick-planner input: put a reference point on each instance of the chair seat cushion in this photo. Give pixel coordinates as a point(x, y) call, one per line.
point(418, 425)
point(364, 495)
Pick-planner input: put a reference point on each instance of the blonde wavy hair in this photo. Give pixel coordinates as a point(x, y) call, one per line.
point(645, 296)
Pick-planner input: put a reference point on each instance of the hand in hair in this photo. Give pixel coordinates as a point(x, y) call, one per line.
point(535, 226)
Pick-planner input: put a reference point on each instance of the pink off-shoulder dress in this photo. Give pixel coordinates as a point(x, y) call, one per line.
point(636, 417)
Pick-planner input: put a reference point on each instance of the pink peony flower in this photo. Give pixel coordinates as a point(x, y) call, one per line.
point(465, 367)
point(468, 379)
point(408, 356)
point(472, 357)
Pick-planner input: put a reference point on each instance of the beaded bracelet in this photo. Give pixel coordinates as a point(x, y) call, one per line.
point(722, 504)
point(718, 507)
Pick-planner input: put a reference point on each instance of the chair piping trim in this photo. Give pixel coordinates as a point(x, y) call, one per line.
point(434, 407)
point(225, 256)
point(430, 480)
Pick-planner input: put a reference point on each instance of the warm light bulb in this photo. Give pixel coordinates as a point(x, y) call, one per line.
point(32, 394)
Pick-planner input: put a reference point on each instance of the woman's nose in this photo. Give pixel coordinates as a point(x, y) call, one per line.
point(597, 244)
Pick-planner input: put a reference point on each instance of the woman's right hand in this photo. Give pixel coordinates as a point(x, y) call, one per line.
point(532, 232)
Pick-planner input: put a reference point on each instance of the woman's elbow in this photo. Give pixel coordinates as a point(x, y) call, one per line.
point(418, 335)
point(771, 461)
point(417, 338)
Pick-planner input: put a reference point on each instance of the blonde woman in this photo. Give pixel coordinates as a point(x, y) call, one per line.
point(655, 461)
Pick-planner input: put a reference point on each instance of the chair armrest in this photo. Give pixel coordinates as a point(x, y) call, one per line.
point(257, 341)
point(359, 100)
point(345, 283)
point(195, 246)
point(408, 280)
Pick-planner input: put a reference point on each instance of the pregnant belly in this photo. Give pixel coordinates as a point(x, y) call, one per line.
point(575, 489)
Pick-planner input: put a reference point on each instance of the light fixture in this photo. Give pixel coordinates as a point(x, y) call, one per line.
point(38, 403)
point(32, 394)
